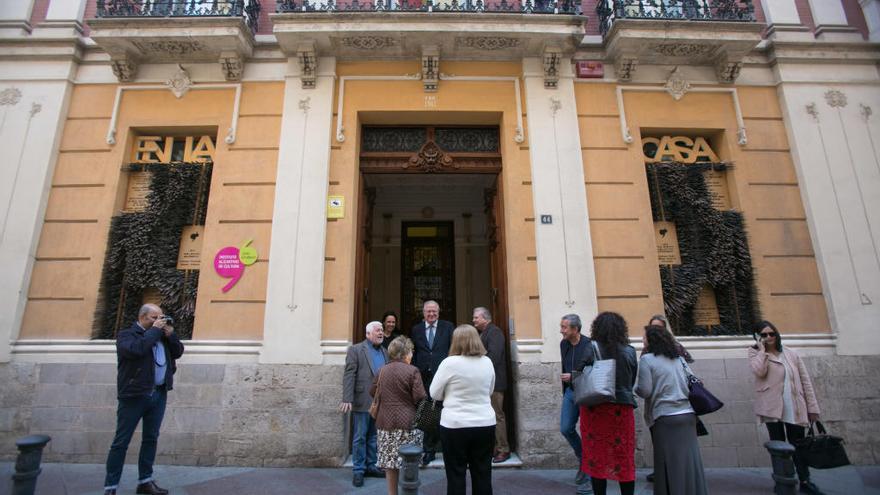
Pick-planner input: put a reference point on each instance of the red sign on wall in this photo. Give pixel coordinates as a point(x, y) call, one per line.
point(590, 69)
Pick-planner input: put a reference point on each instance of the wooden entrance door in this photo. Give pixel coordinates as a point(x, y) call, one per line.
point(427, 270)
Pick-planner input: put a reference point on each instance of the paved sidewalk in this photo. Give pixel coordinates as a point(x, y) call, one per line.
point(82, 479)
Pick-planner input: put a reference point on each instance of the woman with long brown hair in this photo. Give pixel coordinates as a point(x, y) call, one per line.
point(663, 383)
point(608, 430)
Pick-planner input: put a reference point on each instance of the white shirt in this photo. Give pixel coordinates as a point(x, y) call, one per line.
point(465, 385)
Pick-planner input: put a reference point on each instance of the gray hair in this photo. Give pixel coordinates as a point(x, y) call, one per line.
point(399, 348)
point(483, 312)
point(146, 308)
point(373, 324)
point(431, 301)
point(573, 320)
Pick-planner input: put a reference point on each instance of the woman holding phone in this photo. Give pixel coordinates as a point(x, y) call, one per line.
point(784, 397)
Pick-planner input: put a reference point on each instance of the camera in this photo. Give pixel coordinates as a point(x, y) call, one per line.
point(168, 320)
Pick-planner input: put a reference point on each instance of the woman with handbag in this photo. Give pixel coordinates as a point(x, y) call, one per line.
point(608, 430)
point(784, 397)
point(663, 383)
point(662, 321)
point(396, 393)
point(464, 382)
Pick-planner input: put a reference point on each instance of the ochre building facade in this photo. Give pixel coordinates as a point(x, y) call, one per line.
point(527, 158)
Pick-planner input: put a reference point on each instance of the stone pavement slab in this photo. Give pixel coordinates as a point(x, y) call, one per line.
point(86, 479)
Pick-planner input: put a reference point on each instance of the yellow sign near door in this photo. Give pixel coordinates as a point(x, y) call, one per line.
point(336, 207)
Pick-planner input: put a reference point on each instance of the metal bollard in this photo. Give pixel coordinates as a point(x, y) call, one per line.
point(409, 476)
point(783, 467)
point(27, 464)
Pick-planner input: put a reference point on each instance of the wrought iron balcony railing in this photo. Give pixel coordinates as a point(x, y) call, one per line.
point(475, 6)
point(685, 10)
point(250, 9)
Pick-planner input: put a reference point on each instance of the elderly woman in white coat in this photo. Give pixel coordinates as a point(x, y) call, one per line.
point(784, 397)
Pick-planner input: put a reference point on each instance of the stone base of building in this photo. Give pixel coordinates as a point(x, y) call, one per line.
point(285, 416)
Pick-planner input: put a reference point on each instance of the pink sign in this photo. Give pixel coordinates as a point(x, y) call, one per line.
point(230, 262)
point(228, 265)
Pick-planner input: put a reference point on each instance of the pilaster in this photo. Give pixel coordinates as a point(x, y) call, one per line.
point(292, 328)
point(783, 20)
point(566, 274)
point(15, 16)
point(32, 116)
point(834, 137)
point(63, 18)
point(830, 20)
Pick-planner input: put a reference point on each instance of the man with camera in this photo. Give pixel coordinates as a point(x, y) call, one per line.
point(146, 353)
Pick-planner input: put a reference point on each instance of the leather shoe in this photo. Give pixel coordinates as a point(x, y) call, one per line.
point(501, 457)
point(151, 488)
point(358, 480)
point(374, 473)
point(650, 478)
point(428, 458)
point(809, 487)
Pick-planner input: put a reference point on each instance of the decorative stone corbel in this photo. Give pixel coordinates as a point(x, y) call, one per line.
point(307, 57)
point(624, 67)
point(430, 68)
point(727, 69)
point(124, 68)
point(552, 61)
point(232, 66)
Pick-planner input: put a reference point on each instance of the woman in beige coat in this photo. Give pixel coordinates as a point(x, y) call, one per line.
point(784, 396)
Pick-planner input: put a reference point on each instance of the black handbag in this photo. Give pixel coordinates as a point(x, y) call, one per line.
point(702, 401)
point(822, 451)
point(428, 415)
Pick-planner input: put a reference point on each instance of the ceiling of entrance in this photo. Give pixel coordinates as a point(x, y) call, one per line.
point(408, 197)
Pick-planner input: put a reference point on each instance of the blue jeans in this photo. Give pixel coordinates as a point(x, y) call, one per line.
point(150, 409)
point(568, 423)
point(363, 442)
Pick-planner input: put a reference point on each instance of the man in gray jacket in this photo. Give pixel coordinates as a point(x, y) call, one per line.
point(362, 364)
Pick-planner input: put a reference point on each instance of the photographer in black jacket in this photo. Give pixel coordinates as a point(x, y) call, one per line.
point(146, 354)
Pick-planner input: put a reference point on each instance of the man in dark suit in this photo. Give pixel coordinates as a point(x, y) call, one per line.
point(431, 339)
point(496, 348)
point(146, 353)
point(362, 364)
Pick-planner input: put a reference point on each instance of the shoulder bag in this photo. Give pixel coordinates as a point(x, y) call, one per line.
point(427, 416)
point(822, 451)
point(702, 401)
point(596, 383)
point(374, 406)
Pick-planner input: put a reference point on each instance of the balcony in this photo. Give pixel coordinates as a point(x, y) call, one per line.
point(432, 30)
point(135, 32)
point(696, 32)
point(429, 6)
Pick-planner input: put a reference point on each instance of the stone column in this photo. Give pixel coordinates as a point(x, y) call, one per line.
point(783, 20)
point(63, 18)
point(292, 327)
point(871, 10)
point(15, 17)
point(833, 133)
point(830, 20)
point(566, 274)
point(32, 115)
